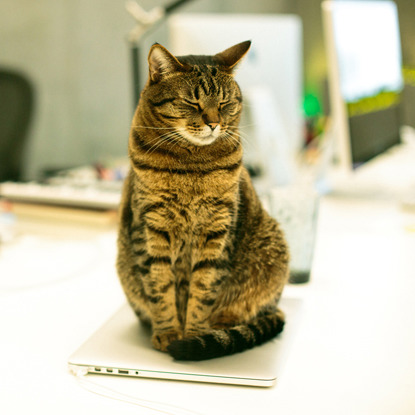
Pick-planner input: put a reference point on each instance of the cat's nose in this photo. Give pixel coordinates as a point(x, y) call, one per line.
point(213, 125)
point(211, 118)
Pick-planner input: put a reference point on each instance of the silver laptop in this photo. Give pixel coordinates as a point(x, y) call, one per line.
point(123, 347)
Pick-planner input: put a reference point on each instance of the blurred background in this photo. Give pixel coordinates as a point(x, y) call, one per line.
point(67, 97)
point(76, 56)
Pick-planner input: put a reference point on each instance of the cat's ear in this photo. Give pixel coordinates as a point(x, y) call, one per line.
point(161, 62)
point(230, 57)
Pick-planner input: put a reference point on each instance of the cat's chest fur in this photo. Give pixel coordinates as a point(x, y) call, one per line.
point(188, 209)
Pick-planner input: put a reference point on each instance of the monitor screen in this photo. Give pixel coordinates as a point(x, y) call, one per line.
point(365, 76)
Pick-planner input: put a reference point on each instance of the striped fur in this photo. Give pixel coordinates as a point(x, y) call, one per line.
point(198, 257)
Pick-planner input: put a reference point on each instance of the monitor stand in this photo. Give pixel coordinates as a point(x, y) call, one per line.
point(388, 177)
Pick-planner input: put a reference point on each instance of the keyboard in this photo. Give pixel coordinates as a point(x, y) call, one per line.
point(88, 196)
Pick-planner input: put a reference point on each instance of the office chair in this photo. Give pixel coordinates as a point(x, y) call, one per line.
point(16, 108)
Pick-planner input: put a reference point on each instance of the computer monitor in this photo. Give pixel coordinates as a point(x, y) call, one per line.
point(365, 77)
point(270, 76)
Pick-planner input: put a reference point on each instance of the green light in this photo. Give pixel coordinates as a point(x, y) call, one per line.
point(311, 105)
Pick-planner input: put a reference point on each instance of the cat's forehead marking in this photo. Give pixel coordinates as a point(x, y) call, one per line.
point(207, 82)
point(205, 70)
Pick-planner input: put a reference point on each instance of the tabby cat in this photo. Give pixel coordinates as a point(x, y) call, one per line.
point(198, 257)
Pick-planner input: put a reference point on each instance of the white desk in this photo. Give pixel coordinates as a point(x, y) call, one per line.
point(354, 352)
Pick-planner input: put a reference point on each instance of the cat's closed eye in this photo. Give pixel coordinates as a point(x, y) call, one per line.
point(162, 102)
point(223, 105)
point(194, 104)
point(230, 107)
point(226, 104)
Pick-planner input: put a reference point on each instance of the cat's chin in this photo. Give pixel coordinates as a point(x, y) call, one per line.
point(200, 141)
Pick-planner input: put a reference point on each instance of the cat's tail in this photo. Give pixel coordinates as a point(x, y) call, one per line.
point(223, 342)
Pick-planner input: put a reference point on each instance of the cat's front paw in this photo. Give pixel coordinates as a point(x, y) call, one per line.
point(162, 339)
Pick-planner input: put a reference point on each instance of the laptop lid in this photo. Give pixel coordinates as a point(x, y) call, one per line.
point(122, 346)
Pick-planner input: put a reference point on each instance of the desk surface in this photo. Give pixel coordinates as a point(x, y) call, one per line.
point(353, 352)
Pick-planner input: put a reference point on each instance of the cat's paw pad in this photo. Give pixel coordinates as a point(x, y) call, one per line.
point(161, 340)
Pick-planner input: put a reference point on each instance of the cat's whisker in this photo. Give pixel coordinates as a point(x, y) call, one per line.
point(230, 138)
point(246, 141)
point(243, 134)
point(160, 140)
point(174, 141)
point(154, 141)
point(170, 138)
point(172, 135)
point(243, 126)
point(153, 128)
point(235, 135)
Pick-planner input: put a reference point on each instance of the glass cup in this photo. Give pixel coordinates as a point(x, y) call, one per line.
point(295, 207)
